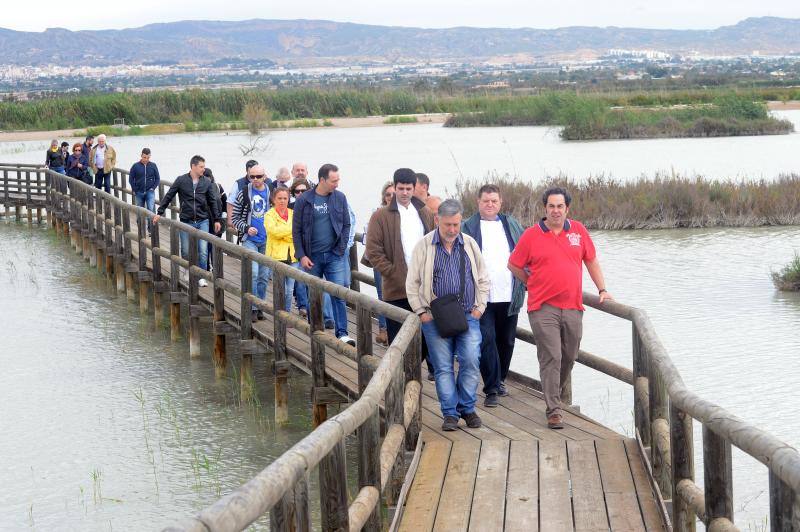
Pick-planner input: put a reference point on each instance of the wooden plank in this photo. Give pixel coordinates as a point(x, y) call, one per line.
point(489, 498)
point(423, 498)
point(555, 509)
point(459, 484)
point(522, 492)
point(588, 503)
point(621, 502)
point(644, 492)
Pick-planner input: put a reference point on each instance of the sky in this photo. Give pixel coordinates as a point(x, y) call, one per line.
point(674, 14)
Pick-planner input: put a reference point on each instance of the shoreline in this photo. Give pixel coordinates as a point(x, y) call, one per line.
point(342, 122)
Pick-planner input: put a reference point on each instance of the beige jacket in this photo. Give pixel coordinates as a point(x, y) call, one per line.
point(109, 159)
point(419, 283)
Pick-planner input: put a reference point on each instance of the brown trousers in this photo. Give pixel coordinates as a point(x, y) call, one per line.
point(558, 337)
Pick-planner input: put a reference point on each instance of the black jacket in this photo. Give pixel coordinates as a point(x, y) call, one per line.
point(197, 204)
point(54, 159)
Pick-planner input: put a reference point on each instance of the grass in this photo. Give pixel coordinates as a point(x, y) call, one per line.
point(652, 203)
point(400, 119)
point(597, 117)
point(788, 278)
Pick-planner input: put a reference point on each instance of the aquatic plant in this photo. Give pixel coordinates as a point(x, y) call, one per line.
point(787, 279)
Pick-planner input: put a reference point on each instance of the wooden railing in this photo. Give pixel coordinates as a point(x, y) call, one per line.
point(664, 408)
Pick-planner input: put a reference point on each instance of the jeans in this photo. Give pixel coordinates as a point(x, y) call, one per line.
point(498, 334)
point(457, 394)
point(102, 180)
point(261, 272)
point(290, 282)
point(377, 276)
point(393, 327)
point(300, 291)
point(59, 169)
point(332, 268)
point(202, 245)
point(145, 199)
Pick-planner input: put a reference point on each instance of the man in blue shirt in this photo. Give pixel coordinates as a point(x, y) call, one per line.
point(321, 230)
point(144, 179)
point(249, 207)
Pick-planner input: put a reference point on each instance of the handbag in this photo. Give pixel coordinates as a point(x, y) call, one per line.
point(448, 311)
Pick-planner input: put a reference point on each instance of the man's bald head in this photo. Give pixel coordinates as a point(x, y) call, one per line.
point(299, 171)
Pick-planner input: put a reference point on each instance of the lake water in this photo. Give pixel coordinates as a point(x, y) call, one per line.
point(730, 333)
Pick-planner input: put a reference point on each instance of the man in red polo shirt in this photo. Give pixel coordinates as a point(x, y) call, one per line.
point(549, 259)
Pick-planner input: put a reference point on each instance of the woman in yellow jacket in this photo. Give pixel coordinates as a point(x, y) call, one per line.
point(278, 223)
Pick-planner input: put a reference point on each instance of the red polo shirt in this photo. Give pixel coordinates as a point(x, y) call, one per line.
point(555, 263)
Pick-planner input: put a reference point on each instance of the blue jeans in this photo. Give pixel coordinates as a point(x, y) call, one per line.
point(290, 282)
point(202, 245)
point(59, 169)
point(261, 272)
point(145, 199)
point(300, 291)
point(378, 280)
point(332, 267)
point(457, 395)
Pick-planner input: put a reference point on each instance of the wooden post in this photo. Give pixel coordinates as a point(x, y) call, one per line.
point(91, 227)
point(315, 295)
point(784, 506)
point(246, 313)
point(119, 249)
point(641, 394)
point(158, 278)
point(682, 450)
point(659, 416)
point(369, 445)
point(174, 285)
point(279, 296)
point(292, 513)
point(718, 474)
point(143, 274)
point(194, 297)
point(109, 234)
point(220, 325)
point(130, 286)
point(355, 284)
point(28, 199)
point(115, 184)
point(413, 372)
point(39, 185)
point(99, 231)
point(333, 490)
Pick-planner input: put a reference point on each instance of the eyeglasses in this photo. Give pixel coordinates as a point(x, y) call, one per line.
point(257, 176)
point(77, 149)
point(299, 190)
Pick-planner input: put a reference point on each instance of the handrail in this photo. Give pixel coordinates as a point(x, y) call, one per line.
point(664, 407)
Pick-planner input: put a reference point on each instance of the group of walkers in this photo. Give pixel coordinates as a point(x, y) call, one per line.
point(91, 163)
point(465, 279)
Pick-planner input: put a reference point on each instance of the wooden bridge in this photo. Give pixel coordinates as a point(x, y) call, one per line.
point(512, 474)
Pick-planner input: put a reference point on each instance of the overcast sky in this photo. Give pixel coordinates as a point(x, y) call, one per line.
point(678, 14)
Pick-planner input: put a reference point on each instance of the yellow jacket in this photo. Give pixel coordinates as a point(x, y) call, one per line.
point(279, 236)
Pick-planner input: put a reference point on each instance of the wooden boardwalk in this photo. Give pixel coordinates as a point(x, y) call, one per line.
point(513, 473)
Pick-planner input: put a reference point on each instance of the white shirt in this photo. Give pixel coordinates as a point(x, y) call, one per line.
point(411, 229)
point(495, 254)
point(99, 156)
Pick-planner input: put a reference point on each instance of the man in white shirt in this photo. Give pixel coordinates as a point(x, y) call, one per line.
point(394, 230)
point(497, 234)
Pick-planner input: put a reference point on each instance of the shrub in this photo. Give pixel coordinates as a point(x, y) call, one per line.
point(788, 278)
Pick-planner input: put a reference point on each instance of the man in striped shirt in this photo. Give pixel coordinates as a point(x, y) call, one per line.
point(435, 271)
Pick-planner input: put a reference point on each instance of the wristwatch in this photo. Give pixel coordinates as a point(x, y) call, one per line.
point(601, 291)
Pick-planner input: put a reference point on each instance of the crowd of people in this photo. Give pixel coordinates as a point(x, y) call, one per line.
point(465, 279)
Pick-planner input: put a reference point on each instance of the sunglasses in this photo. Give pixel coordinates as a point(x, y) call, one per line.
point(257, 176)
point(299, 190)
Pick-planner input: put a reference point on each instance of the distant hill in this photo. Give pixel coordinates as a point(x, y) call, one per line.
point(306, 42)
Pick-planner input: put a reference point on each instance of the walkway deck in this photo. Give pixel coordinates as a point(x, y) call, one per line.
point(513, 473)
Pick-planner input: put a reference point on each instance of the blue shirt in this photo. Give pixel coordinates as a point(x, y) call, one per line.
point(322, 234)
point(447, 271)
point(259, 205)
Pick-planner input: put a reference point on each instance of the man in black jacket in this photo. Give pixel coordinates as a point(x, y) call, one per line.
point(199, 201)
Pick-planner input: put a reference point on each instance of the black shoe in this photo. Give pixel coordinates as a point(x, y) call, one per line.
point(431, 377)
point(450, 424)
point(502, 390)
point(261, 315)
point(254, 315)
point(330, 325)
point(490, 401)
point(472, 419)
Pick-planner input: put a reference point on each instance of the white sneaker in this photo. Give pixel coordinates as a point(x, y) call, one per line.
point(202, 282)
point(346, 339)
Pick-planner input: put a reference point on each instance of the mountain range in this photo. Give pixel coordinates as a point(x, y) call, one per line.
point(319, 42)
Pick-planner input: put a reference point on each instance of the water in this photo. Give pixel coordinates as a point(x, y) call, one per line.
point(106, 423)
point(732, 336)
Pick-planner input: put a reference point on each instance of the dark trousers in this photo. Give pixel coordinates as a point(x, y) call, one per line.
point(102, 180)
point(498, 332)
point(393, 327)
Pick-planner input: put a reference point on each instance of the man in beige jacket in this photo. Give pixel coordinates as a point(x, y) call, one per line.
point(102, 160)
point(435, 271)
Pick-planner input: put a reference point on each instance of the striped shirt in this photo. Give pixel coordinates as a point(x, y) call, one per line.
point(447, 271)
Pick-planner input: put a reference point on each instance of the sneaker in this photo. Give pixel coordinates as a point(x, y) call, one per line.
point(450, 424)
point(431, 376)
point(303, 312)
point(472, 419)
point(346, 339)
point(554, 421)
point(382, 338)
point(490, 401)
point(330, 325)
point(202, 282)
point(502, 391)
point(260, 314)
point(254, 315)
